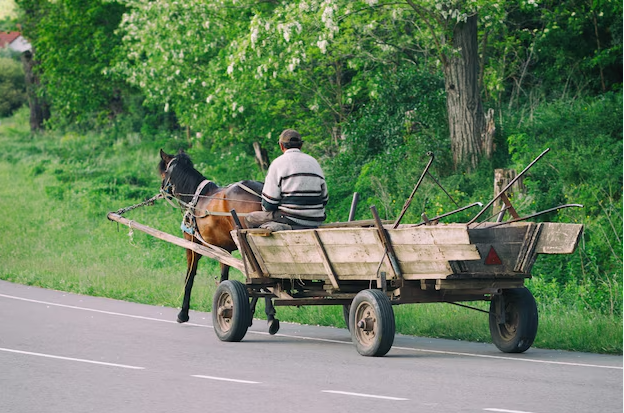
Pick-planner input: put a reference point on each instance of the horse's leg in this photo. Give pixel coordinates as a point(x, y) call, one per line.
point(225, 272)
point(191, 269)
point(272, 322)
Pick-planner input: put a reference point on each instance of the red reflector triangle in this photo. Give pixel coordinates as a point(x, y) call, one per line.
point(492, 258)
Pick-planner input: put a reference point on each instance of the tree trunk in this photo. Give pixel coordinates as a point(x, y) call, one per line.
point(39, 109)
point(463, 100)
point(261, 156)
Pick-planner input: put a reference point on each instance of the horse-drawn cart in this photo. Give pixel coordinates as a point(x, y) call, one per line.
point(369, 266)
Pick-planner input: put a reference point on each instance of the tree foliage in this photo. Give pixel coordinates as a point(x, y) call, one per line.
point(74, 44)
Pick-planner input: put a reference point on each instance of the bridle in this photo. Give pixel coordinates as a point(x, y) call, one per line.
point(166, 187)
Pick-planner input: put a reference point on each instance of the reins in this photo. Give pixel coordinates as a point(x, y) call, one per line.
point(191, 206)
point(147, 202)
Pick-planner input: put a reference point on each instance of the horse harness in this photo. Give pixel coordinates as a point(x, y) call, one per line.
point(189, 220)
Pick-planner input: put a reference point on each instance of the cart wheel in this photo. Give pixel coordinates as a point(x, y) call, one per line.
point(519, 329)
point(230, 311)
point(345, 314)
point(371, 322)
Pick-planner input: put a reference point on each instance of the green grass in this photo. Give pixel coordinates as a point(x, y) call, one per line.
point(55, 191)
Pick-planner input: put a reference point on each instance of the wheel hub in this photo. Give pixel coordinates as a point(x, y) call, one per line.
point(366, 324)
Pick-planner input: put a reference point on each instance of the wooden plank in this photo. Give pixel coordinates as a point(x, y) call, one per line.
point(526, 256)
point(478, 284)
point(339, 236)
point(510, 207)
point(407, 253)
point(351, 224)
point(258, 256)
point(371, 253)
point(558, 238)
point(358, 271)
point(310, 253)
point(415, 268)
point(211, 251)
point(503, 234)
point(441, 234)
point(326, 263)
point(382, 233)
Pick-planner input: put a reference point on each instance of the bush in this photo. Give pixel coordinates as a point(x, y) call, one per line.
point(584, 166)
point(12, 86)
point(386, 144)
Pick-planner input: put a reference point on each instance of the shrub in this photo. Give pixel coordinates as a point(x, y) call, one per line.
point(12, 86)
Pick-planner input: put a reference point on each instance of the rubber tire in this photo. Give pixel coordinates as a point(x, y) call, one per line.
point(235, 329)
point(521, 320)
point(345, 314)
point(377, 303)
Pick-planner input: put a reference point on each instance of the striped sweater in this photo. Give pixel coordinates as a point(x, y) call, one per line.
point(295, 185)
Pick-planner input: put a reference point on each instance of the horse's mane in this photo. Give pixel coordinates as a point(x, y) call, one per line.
point(186, 178)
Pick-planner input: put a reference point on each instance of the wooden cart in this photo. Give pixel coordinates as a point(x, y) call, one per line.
point(369, 266)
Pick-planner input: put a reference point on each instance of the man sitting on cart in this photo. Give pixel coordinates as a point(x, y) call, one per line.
point(295, 193)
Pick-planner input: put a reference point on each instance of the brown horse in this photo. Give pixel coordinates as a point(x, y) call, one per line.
point(207, 217)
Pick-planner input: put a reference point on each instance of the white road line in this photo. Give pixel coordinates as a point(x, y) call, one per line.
point(29, 353)
point(372, 396)
point(455, 353)
point(225, 379)
point(564, 363)
point(491, 409)
point(99, 311)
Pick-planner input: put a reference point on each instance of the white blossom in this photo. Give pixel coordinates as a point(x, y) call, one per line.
point(254, 36)
point(322, 44)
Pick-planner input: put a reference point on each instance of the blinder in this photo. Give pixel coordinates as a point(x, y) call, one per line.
point(166, 186)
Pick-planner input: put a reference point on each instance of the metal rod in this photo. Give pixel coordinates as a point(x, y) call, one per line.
point(469, 307)
point(513, 181)
point(451, 213)
point(409, 200)
point(442, 188)
point(536, 214)
point(354, 203)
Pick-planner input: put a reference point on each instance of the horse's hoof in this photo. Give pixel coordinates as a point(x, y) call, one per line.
point(183, 318)
point(273, 326)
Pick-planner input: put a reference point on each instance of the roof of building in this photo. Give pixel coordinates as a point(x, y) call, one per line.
point(6, 38)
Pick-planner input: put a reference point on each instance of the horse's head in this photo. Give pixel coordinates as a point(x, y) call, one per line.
point(166, 167)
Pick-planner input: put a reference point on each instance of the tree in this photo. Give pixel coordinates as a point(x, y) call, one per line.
point(444, 33)
point(74, 43)
point(230, 81)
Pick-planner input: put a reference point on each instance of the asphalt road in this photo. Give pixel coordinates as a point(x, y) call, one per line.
point(62, 352)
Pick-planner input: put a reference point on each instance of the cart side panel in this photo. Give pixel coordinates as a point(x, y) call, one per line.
point(558, 238)
point(510, 250)
point(356, 253)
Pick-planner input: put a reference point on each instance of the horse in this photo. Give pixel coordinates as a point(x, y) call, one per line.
point(207, 218)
